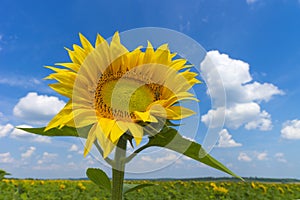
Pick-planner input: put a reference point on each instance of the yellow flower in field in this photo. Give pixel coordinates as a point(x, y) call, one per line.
point(5, 181)
point(263, 188)
point(280, 190)
point(253, 185)
point(62, 186)
point(220, 190)
point(213, 185)
point(119, 91)
point(81, 187)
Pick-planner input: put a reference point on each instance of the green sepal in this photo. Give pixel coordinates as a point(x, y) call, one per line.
point(99, 177)
point(169, 138)
point(132, 187)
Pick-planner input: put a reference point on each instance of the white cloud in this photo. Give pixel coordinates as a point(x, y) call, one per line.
point(28, 153)
point(291, 130)
point(262, 156)
point(166, 158)
point(47, 158)
point(74, 147)
point(225, 140)
point(251, 1)
point(20, 81)
point(37, 109)
point(6, 158)
point(188, 138)
point(280, 157)
point(243, 97)
point(1, 38)
point(244, 157)
point(5, 129)
point(19, 134)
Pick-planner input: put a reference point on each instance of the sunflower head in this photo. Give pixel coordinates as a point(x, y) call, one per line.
point(118, 92)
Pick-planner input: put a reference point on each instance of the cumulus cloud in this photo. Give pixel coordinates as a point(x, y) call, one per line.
point(291, 130)
point(28, 153)
point(247, 157)
point(74, 147)
point(244, 157)
point(5, 130)
point(19, 134)
point(225, 140)
point(262, 156)
point(6, 158)
point(37, 109)
point(243, 95)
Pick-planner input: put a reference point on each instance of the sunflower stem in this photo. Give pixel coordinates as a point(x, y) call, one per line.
point(118, 170)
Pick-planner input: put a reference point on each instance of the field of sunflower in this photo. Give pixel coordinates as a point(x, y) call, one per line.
point(183, 190)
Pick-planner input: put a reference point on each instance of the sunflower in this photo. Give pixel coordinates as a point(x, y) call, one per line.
point(117, 91)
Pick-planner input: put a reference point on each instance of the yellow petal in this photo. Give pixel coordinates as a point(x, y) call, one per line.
point(179, 64)
point(73, 66)
point(117, 131)
point(178, 112)
point(84, 117)
point(90, 140)
point(60, 118)
point(73, 57)
point(136, 131)
point(145, 116)
point(99, 40)
point(85, 43)
point(106, 145)
point(149, 53)
point(65, 90)
point(179, 97)
point(117, 49)
point(106, 125)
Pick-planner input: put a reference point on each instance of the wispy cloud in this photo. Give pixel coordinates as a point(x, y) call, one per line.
point(1, 38)
point(5, 129)
point(47, 158)
point(6, 158)
point(28, 153)
point(20, 81)
point(251, 1)
point(280, 157)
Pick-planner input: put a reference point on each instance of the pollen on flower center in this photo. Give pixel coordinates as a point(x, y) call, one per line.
point(120, 98)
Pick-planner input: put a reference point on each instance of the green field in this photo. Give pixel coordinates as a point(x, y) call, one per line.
point(182, 190)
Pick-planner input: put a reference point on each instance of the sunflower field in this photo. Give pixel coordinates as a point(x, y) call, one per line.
point(181, 190)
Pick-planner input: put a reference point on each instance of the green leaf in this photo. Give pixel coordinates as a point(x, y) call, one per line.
point(132, 187)
point(169, 138)
point(3, 173)
point(64, 131)
point(99, 177)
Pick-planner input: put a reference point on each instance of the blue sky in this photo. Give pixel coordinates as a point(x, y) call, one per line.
point(254, 43)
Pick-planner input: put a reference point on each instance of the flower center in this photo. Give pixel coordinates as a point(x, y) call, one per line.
point(120, 98)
